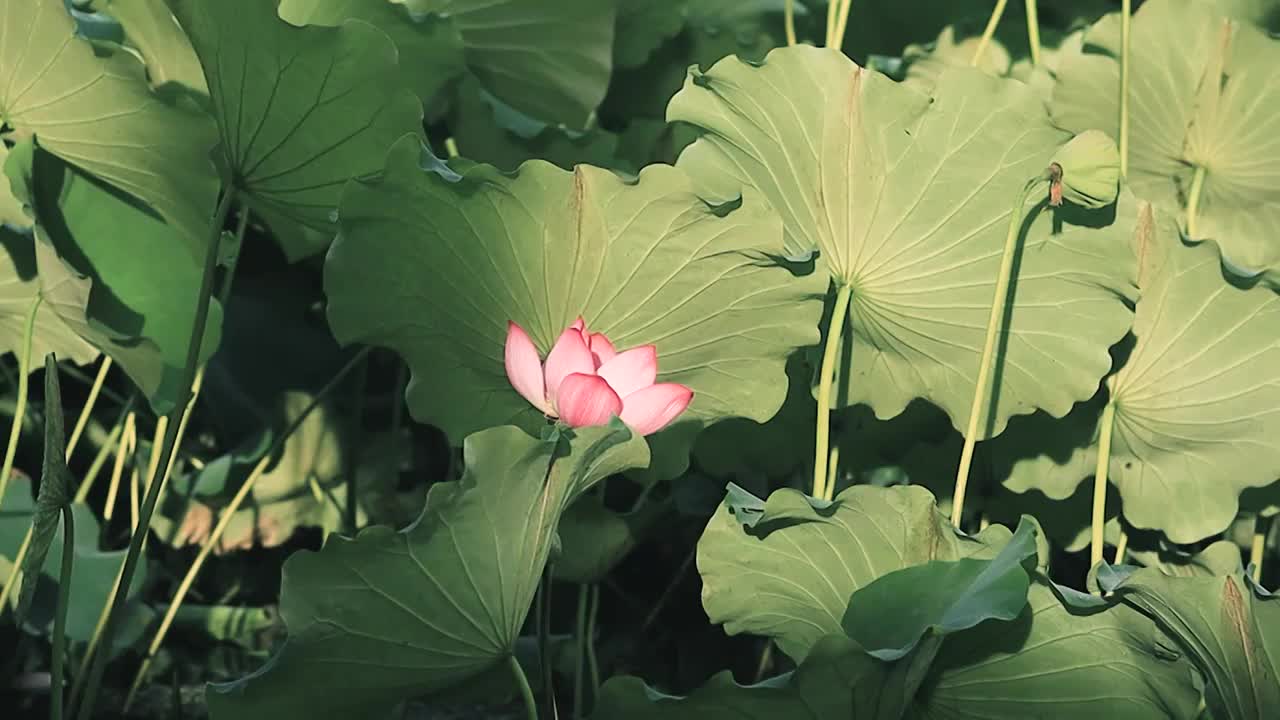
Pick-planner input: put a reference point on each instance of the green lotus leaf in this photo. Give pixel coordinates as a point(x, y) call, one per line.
point(301, 110)
point(1201, 96)
point(1056, 662)
point(12, 209)
point(907, 198)
point(786, 568)
point(836, 680)
point(642, 27)
point(548, 58)
point(430, 48)
point(394, 615)
point(151, 28)
point(94, 576)
point(19, 286)
point(645, 262)
point(130, 309)
point(1229, 626)
point(94, 109)
point(1197, 401)
point(1217, 560)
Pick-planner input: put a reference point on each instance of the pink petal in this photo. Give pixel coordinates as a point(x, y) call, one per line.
point(580, 325)
point(524, 367)
point(601, 348)
point(570, 355)
point(649, 410)
point(632, 370)
point(587, 400)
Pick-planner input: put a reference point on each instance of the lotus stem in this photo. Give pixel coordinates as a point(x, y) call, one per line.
point(789, 21)
point(60, 617)
point(998, 301)
point(1033, 32)
point(1105, 427)
point(822, 434)
point(988, 32)
point(1122, 547)
point(1193, 202)
point(1258, 548)
point(89, 402)
point(224, 521)
point(1126, 12)
point(593, 666)
point(526, 692)
point(169, 445)
point(842, 22)
point(127, 443)
point(833, 8)
point(833, 472)
point(579, 666)
point(20, 407)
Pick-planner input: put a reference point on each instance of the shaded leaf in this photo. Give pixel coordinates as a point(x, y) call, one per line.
point(97, 112)
point(645, 262)
point(389, 616)
point(907, 199)
point(55, 489)
point(19, 286)
point(594, 539)
point(151, 28)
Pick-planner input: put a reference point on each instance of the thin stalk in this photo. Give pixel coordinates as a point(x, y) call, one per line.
point(451, 147)
point(182, 430)
point(1258, 548)
point(833, 7)
point(1100, 482)
point(789, 21)
point(833, 472)
point(842, 22)
point(89, 402)
point(526, 692)
point(224, 521)
point(92, 648)
point(766, 660)
point(20, 408)
point(11, 582)
point(544, 640)
point(127, 442)
point(1193, 203)
point(1122, 547)
point(99, 460)
point(988, 33)
point(822, 425)
point(60, 618)
point(134, 554)
point(242, 223)
point(351, 471)
point(593, 666)
point(1126, 11)
point(579, 667)
point(998, 301)
point(1033, 31)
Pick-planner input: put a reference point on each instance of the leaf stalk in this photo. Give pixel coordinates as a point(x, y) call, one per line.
point(826, 378)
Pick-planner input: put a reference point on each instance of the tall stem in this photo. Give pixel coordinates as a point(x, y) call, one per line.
point(988, 33)
point(89, 402)
point(789, 21)
point(1126, 11)
point(20, 407)
point(998, 301)
point(1258, 548)
point(1100, 483)
point(134, 554)
point(526, 692)
point(60, 618)
point(842, 22)
point(579, 667)
point(833, 473)
point(833, 8)
point(224, 521)
point(1122, 547)
point(826, 378)
point(1033, 31)
point(1193, 203)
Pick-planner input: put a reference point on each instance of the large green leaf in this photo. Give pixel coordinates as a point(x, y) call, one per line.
point(907, 197)
point(12, 212)
point(430, 48)
point(19, 286)
point(785, 568)
point(94, 109)
point(1055, 662)
point(1201, 95)
point(134, 308)
point(1197, 401)
point(301, 110)
point(393, 615)
point(434, 264)
point(1229, 626)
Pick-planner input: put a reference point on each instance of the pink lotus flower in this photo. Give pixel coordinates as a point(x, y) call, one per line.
point(585, 381)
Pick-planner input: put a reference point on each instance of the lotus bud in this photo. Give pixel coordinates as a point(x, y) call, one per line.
point(1085, 171)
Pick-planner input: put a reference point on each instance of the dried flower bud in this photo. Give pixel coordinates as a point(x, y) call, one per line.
point(1085, 171)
